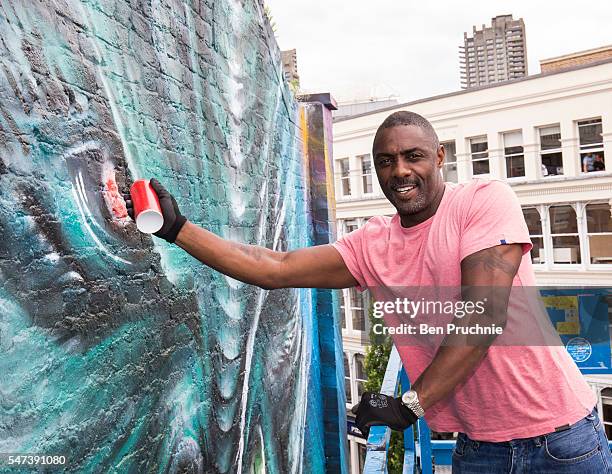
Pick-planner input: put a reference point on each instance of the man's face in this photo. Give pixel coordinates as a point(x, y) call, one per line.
point(408, 168)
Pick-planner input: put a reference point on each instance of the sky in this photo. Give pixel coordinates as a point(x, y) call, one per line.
point(360, 49)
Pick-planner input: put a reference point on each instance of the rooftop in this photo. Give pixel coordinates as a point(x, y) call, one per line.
point(479, 88)
point(577, 54)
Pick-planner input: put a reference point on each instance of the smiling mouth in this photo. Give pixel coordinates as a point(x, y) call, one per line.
point(404, 189)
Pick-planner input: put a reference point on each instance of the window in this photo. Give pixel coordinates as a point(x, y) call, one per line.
point(366, 173)
point(354, 306)
point(599, 231)
point(350, 226)
point(564, 232)
point(345, 177)
point(550, 151)
point(534, 224)
point(480, 155)
point(360, 374)
point(591, 146)
point(449, 171)
point(347, 379)
point(513, 153)
point(358, 309)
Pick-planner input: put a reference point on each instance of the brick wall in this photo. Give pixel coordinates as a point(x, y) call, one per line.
point(574, 60)
point(120, 351)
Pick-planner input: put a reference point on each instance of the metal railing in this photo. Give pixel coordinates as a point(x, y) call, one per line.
point(420, 452)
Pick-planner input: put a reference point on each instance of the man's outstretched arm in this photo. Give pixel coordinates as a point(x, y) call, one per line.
point(312, 267)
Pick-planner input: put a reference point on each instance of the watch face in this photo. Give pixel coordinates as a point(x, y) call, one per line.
point(409, 397)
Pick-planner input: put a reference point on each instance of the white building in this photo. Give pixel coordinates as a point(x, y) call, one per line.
point(541, 133)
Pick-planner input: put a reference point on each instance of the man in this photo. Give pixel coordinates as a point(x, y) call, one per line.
point(517, 409)
point(587, 163)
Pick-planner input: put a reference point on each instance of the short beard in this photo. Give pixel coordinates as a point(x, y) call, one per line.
point(414, 206)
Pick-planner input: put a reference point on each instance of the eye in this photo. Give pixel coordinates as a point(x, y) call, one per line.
point(384, 162)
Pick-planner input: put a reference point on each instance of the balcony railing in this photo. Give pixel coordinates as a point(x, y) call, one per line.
point(420, 452)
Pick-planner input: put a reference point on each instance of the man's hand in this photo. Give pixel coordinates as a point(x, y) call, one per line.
point(173, 219)
point(378, 409)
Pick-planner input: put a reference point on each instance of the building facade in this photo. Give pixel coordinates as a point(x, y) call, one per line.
point(290, 68)
point(494, 54)
point(542, 134)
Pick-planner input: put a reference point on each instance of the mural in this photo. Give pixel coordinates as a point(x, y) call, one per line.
point(121, 352)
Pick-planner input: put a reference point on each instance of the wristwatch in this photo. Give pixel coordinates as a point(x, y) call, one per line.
point(410, 399)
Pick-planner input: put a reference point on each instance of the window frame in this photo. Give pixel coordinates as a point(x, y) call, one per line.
point(344, 177)
point(486, 158)
point(587, 234)
point(347, 357)
point(363, 175)
point(450, 163)
point(347, 224)
point(551, 151)
point(356, 380)
point(541, 261)
point(346, 300)
point(551, 236)
point(513, 155)
point(590, 147)
point(580, 209)
point(351, 356)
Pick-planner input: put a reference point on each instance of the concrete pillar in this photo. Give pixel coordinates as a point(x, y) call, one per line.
point(496, 156)
point(464, 164)
point(532, 154)
point(316, 129)
point(355, 177)
point(606, 133)
point(569, 147)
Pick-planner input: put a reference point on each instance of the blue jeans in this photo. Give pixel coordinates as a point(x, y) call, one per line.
point(581, 449)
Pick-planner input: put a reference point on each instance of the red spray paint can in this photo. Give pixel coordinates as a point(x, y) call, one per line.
point(147, 211)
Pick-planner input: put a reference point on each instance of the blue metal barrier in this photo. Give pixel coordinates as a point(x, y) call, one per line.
point(420, 452)
point(378, 439)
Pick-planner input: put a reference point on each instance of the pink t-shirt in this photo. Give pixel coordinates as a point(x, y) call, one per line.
point(517, 391)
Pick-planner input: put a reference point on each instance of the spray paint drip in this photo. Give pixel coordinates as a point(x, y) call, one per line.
point(112, 198)
point(114, 201)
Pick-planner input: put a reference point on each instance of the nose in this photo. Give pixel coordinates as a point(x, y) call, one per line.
point(402, 168)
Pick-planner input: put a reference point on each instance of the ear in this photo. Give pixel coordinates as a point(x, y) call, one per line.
point(441, 155)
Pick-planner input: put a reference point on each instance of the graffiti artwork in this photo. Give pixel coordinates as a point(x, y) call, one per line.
point(119, 351)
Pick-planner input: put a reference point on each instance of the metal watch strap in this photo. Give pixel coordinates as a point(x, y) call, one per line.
point(415, 407)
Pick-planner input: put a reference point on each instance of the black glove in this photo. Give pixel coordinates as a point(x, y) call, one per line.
point(379, 409)
point(173, 219)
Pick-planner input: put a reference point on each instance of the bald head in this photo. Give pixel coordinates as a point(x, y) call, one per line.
point(404, 117)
